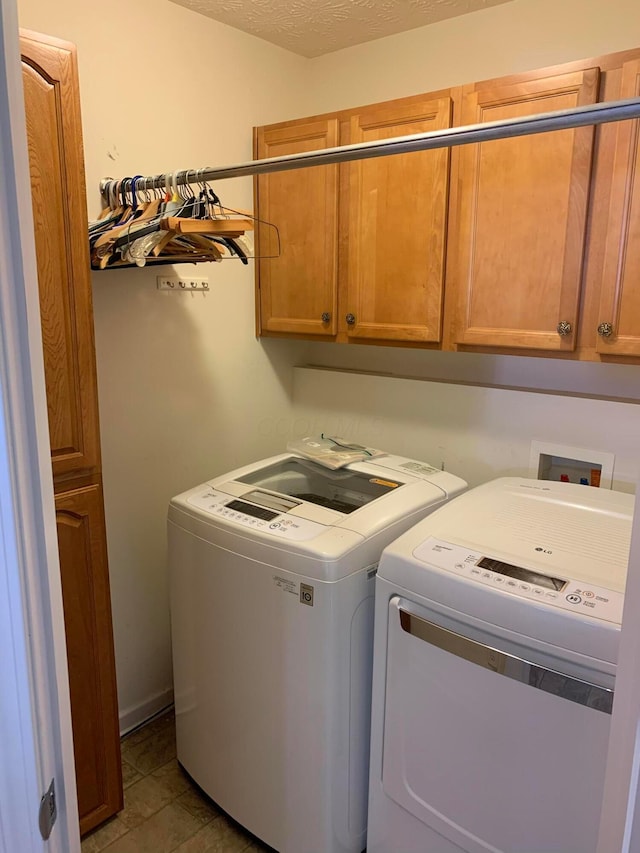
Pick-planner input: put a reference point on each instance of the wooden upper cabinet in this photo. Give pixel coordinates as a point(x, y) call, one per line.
point(54, 135)
point(396, 227)
point(517, 247)
point(298, 289)
point(619, 315)
point(92, 686)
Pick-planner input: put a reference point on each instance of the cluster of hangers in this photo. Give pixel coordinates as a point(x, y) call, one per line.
point(173, 224)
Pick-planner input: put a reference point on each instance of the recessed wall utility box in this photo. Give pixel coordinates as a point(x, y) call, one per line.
point(571, 464)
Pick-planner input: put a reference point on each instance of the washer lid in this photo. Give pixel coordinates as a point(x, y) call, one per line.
point(365, 497)
point(342, 489)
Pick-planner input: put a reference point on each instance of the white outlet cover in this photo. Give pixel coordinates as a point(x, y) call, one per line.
point(579, 454)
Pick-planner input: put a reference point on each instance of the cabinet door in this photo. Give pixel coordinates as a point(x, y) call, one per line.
point(516, 255)
point(298, 289)
point(619, 315)
point(87, 616)
point(59, 210)
point(397, 227)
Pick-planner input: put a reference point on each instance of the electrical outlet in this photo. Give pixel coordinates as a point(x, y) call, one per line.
point(181, 284)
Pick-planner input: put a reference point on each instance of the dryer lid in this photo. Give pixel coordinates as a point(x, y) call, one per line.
point(558, 529)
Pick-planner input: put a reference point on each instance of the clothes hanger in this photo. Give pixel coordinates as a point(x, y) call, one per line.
point(176, 223)
point(150, 240)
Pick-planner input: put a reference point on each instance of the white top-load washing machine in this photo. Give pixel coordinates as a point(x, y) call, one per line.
point(496, 639)
point(272, 572)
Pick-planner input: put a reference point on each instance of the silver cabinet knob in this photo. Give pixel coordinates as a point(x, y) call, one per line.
point(605, 330)
point(564, 328)
point(326, 317)
point(351, 319)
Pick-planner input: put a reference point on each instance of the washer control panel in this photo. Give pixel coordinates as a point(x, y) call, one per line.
point(519, 580)
point(256, 517)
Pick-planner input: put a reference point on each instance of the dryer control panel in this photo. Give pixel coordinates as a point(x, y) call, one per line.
point(521, 580)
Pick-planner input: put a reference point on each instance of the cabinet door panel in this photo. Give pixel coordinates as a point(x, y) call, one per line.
point(620, 296)
point(87, 615)
point(516, 260)
point(60, 222)
point(298, 289)
point(397, 227)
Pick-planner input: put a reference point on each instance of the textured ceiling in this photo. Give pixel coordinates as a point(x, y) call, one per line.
point(314, 27)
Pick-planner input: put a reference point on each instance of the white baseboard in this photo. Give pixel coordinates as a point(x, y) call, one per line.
point(134, 716)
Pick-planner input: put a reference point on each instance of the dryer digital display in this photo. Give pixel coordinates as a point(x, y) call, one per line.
point(522, 574)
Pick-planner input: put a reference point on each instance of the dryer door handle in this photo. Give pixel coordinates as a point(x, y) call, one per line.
point(533, 675)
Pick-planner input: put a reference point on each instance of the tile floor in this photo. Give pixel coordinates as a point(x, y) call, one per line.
point(164, 811)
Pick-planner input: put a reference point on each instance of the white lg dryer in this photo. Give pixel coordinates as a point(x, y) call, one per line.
point(272, 574)
point(496, 641)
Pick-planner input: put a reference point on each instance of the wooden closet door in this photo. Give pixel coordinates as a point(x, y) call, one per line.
point(60, 220)
point(54, 135)
point(87, 616)
point(515, 259)
point(619, 315)
point(397, 227)
point(297, 291)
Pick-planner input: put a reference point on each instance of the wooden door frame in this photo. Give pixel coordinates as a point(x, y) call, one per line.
point(35, 737)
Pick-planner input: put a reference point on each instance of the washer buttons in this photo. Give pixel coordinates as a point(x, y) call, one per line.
point(572, 598)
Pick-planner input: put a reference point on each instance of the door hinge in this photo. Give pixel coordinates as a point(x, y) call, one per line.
point(48, 812)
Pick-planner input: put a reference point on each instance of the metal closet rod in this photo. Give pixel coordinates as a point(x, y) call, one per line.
point(449, 137)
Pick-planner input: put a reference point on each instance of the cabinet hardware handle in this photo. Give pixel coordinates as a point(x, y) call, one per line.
point(326, 317)
point(605, 330)
point(564, 328)
point(351, 319)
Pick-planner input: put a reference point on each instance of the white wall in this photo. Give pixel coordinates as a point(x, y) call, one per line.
point(478, 433)
point(185, 389)
point(517, 36)
point(180, 376)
